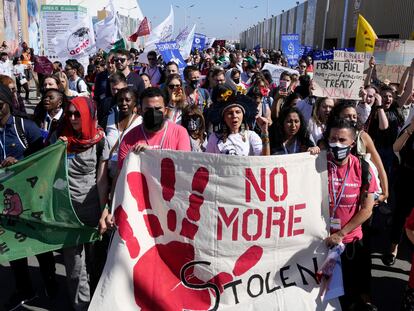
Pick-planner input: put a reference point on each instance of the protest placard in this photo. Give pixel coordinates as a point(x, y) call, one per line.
point(209, 232)
point(36, 214)
point(338, 79)
point(43, 65)
point(276, 70)
point(394, 52)
point(291, 48)
point(390, 72)
point(340, 55)
point(199, 41)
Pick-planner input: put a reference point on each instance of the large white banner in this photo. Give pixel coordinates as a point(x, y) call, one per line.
point(185, 41)
point(276, 71)
point(212, 232)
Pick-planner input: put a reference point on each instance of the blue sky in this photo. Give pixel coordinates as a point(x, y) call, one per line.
point(215, 18)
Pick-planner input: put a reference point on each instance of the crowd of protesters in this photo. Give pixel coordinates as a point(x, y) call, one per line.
point(223, 102)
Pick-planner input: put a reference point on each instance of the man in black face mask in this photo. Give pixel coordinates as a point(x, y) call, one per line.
point(351, 199)
point(194, 93)
point(155, 132)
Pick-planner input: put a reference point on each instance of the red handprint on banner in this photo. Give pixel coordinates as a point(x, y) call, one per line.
point(163, 276)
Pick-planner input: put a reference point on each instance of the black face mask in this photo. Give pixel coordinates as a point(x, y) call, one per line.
point(194, 124)
point(339, 151)
point(237, 81)
point(153, 119)
point(194, 84)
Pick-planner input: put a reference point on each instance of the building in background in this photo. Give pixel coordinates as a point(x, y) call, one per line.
point(326, 24)
point(20, 20)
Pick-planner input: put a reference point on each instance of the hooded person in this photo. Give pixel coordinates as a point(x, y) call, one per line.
point(84, 148)
point(230, 115)
point(233, 79)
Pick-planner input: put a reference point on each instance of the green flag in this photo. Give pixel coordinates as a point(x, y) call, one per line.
point(120, 44)
point(36, 214)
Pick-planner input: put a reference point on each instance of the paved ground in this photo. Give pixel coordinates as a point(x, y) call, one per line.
point(388, 283)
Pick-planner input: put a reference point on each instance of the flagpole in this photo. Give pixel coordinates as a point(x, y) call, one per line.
point(344, 24)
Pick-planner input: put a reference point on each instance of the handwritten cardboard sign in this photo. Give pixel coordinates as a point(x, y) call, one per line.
point(336, 79)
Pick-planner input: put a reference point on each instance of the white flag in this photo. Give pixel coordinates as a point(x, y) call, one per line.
point(185, 41)
point(107, 30)
point(210, 42)
point(78, 42)
point(162, 33)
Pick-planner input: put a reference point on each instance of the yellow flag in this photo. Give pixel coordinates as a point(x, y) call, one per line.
point(365, 37)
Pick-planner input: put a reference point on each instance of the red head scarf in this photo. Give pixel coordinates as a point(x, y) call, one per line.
point(90, 132)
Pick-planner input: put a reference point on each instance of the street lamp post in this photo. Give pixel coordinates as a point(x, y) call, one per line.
point(129, 23)
point(185, 12)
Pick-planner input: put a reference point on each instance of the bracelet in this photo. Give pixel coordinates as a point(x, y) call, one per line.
point(380, 107)
point(265, 140)
point(264, 135)
point(408, 132)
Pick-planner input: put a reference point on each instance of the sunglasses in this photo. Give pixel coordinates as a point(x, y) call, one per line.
point(174, 86)
point(151, 58)
point(120, 59)
point(76, 114)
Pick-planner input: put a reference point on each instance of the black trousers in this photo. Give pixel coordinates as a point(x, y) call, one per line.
point(20, 270)
point(356, 272)
point(404, 202)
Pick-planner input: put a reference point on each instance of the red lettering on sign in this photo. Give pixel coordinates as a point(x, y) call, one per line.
point(227, 221)
point(252, 181)
point(246, 222)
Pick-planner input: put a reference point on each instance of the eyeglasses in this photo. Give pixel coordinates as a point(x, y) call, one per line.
point(76, 114)
point(120, 59)
point(174, 86)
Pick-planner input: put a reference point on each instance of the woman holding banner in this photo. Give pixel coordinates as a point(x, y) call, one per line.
point(84, 148)
point(289, 134)
point(21, 137)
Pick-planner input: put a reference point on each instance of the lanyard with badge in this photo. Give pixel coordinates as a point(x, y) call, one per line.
point(162, 139)
point(336, 199)
point(294, 147)
point(3, 144)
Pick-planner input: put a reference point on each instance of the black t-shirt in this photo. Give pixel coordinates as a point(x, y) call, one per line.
point(407, 152)
point(135, 82)
point(384, 139)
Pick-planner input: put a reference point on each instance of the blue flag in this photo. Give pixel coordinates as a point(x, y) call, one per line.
point(199, 42)
point(170, 53)
point(291, 48)
point(305, 50)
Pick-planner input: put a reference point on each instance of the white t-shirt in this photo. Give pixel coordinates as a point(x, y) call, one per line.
point(306, 107)
point(363, 111)
point(112, 136)
point(315, 131)
point(19, 70)
point(112, 132)
point(6, 68)
point(235, 145)
point(76, 86)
